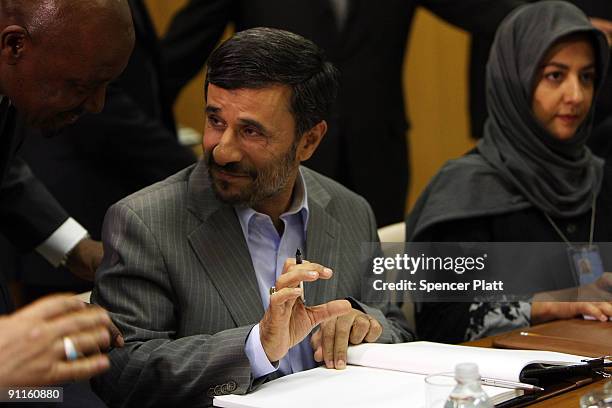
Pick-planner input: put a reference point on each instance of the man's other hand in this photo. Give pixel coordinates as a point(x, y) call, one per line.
point(85, 258)
point(330, 342)
point(115, 334)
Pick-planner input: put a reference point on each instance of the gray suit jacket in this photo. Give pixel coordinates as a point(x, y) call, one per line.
point(178, 281)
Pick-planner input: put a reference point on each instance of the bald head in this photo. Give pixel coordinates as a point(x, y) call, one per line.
point(44, 17)
point(68, 50)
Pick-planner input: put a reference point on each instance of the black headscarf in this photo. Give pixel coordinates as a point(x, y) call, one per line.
point(559, 177)
point(520, 164)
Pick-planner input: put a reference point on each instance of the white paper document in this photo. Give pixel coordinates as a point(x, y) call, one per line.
point(353, 387)
point(422, 357)
point(390, 375)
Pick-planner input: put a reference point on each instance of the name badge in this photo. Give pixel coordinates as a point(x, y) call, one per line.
point(586, 263)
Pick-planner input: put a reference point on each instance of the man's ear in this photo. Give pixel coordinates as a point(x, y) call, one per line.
point(310, 140)
point(13, 40)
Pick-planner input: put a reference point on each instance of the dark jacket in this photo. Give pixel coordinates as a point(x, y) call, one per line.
point(28, 212)
point(447, 322)
point(131, 144)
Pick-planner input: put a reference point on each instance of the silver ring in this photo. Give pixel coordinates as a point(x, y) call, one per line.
point(70, 349)
point(272, 290)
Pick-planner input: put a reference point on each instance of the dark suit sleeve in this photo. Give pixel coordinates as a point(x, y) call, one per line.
point(155, 368)
point(476, 16)
point(193, 34)
point(28, 212)
point(389, 315)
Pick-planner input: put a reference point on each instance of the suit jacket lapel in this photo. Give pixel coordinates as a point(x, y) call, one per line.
point(221, 248)
point(322, 245)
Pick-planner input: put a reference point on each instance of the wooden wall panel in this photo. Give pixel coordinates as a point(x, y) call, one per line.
point(435, 81)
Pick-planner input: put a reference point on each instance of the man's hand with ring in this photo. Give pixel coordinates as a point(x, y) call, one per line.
point(331, 341)
point(33, 348)
point(287, 321)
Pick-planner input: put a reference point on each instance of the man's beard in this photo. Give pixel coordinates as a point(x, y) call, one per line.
point(266, 183)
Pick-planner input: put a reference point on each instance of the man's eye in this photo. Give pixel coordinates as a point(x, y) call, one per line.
point(250, 132)
point(214, 121)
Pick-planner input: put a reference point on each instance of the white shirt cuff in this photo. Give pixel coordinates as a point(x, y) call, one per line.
point(260, 365)
point(62, 241)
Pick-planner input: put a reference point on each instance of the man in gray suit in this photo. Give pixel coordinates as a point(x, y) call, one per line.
point(199, 271)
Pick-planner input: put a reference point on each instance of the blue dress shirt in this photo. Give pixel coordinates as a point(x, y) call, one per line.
point(269, 251)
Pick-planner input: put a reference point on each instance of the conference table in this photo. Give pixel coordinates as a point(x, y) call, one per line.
point(568, 399)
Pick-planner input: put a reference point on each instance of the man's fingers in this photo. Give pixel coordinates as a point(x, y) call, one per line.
point(318, 354)
point(280, 299)
point(80, 369)
point(307, 272)
point(374, 332)
point(315, 343)
point(315, 338)
point(288, 263)
point(116, 336)
point(79, 321)
point(52, 306)
point(115, 333)
point(327, 310)
point(361, 327)
point(328, 329)
point(293, 277)
point(343, 329)
point(87, 342)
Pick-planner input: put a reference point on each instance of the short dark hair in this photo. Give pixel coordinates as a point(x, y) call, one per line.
point(261, 57)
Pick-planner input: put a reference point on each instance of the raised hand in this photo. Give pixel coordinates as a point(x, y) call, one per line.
point(287, 321)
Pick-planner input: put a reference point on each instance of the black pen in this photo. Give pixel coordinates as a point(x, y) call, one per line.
point(298, 261)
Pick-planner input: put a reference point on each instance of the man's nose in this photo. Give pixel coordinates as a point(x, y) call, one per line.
point(228, 149)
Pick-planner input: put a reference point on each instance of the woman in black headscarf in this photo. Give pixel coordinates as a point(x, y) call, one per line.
point(531, 178)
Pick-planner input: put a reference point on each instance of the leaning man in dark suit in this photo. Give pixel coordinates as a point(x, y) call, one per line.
point(199, 271)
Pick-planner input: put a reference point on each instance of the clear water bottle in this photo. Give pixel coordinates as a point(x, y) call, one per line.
point(468, 393)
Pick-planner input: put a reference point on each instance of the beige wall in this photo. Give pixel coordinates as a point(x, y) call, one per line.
point(434, 78)
point(435, 82)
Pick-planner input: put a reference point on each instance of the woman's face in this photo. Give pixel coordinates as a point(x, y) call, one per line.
point(564, 87)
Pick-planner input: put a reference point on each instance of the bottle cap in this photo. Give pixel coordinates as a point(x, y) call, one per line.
point(467, 371)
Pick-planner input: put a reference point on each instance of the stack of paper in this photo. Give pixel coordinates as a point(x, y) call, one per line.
point(391, 375)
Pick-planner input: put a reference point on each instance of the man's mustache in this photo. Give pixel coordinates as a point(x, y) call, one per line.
point(233, 168)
